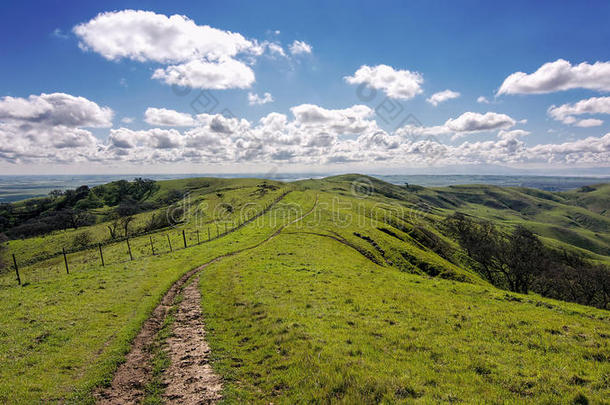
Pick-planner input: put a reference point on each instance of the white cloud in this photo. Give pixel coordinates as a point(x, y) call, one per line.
point(468, 122)
point(557, 76)
point(300, 47)
point(475, 122)
point(255, 99)
point(398, 84)
point(482, 100)
point(312, 135)
point(276, 48)
point(226, 74)
point(58, 33)
point(353, 120)
point(167, 118)
point(590, 122)
point(50, 127)
point(412, 131)
point(154, 138)
point(127, 120)
point(147, 36)
point(591, 150)
point(566, 113)
point(55, 109)
point(197, 56)
point(513, 134)
point(442, 96)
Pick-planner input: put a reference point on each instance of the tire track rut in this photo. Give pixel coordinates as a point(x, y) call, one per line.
point(129, 381)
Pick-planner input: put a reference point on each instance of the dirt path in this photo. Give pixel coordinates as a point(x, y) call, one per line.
point(190, 378)
point(130, 379)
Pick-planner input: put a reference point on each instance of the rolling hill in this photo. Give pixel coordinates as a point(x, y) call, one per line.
point(345, 289)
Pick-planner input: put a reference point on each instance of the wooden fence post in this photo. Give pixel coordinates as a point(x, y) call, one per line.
point(152, 247)
point(197, 236)
point(129, 249)
point(184, 238)
point(16, 269)
point(217, 231)
point(65, 260)
point(209, 233)
point(101, 254)
point(169, 243)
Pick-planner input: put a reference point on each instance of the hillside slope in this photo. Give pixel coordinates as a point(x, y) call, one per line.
point(366, 299)
point(308, 319)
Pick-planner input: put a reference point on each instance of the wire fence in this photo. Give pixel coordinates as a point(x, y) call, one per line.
point(157, 243)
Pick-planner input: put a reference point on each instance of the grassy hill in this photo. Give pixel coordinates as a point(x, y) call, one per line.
point(359, 297)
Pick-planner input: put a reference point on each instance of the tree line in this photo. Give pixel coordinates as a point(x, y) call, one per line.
point(67, 209)
point(520, 262)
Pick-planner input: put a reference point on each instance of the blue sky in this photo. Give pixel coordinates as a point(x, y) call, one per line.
point(470, 48)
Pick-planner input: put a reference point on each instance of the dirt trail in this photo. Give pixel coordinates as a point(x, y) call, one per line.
point(130, 378)
point(190, 378)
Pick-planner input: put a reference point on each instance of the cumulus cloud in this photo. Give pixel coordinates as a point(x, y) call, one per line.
point(591, 150)
point(255, 99)
point(566, 113)
point(589, 122)
point(475, 122)
point(155, 138)
point(309, 135)
point(397, 84)
point(197, 56)
point(300, 47)
point(513, 134)
point(482, 100)
point(167, 118)
point(352, 120)
point(55, 109)
point(40, 125)
point(147, 36)
point(442, 96)
point(219, 75)
point(557, 76)
point(468, 122)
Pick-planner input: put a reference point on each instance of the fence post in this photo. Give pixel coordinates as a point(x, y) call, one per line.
point(129, 249)
point(101, 254)
point(184, 238)
point(197, 236)
point(16, 269)
point(169, 243)
point(208, 233)
point(217, 231)
point(152, 247)
point(65, 260)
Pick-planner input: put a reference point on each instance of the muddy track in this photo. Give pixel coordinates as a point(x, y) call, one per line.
point(190, 378)
point(131, 377)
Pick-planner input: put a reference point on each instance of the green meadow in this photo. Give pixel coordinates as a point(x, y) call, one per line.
point(343, 290)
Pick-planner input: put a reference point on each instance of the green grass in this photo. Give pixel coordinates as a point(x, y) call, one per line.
point(288, 326)
point(204, 207)
point(153, 392)
point(62, 335)
point(339, 307)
